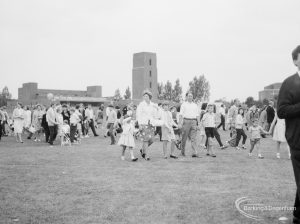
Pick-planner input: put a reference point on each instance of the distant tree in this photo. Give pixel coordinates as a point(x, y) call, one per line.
point(249, 101)
point(160, 89)
point(168, 91)
point(127, 94)
point(5, 93)
point(177, 92)
point(117, 95)
point(200, 87)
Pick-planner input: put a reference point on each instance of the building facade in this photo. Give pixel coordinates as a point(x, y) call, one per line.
point(144, 74)
point(269, 92)
point(30, 94)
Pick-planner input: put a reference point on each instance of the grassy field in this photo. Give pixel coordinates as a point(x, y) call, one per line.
point(88, 183)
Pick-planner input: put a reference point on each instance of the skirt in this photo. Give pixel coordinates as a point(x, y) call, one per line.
point(126, 140)
point(279, 131)
point(167, 134)
point(147, 133)
point(18, 126)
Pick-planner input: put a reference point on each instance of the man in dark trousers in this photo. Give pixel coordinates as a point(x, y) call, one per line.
point(289, 109)
point(270, 114)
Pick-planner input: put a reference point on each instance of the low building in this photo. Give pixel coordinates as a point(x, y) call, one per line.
point(30, 94)
point(269, 92)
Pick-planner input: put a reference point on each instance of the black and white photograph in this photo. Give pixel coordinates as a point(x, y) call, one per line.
point(149, 112)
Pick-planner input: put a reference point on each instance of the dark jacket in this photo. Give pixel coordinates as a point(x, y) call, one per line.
point(270, 114)
point(289, 109)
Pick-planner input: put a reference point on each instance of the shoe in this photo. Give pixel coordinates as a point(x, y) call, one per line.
point(96, 135)
point(183, 154)
point(142, 154)
point(173, 157)
point(278, 155)
point(147, 158)
point(224, 147)
point(28, 137)
point(260, 157)
point(113, 143)
point(207, 154)
point(134, 160)
point(244, 147)
point(195, 156)
point(249, 154)
point(213, 155)
point(237, 148)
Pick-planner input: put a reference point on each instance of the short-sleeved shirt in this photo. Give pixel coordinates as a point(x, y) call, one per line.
point(209, 120)
point(255, 132)
point(189, 110)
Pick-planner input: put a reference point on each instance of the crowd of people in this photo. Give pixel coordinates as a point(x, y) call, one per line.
point(194, 120)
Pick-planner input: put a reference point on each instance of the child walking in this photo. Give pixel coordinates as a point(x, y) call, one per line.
point(209, 124)
point(167, 131)
point(239, 126)
point(255, 134)
point(126, 139)
point(279, 134)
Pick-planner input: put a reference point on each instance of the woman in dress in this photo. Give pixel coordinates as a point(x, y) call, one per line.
point(37, 122)
point(60, 121)
point(279, 134)
point(18, 118)
point(27, 118)
point(145, 114)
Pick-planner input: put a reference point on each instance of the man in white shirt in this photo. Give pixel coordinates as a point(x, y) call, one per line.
point(52, 124)
point(222, 113)
point(89, 113)
point(111, 120)
point(189, 117)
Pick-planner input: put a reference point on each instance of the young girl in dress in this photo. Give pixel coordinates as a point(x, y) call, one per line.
point(279, 134)
point(18, 121)
point(255, 135)
point(167, 130)
point(126, 139)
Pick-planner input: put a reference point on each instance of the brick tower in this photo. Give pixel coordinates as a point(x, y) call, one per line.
point(144, 74)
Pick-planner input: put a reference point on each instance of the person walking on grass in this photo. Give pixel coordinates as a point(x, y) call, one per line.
point(52, 124)
point(167, 131)
point(222, 113)
point(255, 135)
point(126, 139)
point(18, 117)
point(209, 124)
point(189, 117)
point(146, 113)
point(89, 113)
point(288, 108)
point(279, 134)
point(111, 123)
point(239, 125)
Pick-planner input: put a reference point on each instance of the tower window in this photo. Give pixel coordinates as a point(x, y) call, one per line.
point(150, 61)
point(150, 73)
point(150, 85)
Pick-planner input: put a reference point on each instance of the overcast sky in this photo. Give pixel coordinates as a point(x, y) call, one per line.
point(239, 45)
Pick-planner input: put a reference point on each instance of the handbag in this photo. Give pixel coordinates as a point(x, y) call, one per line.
point(31, 129)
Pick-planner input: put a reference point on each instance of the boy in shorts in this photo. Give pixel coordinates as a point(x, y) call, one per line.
point(209, 123)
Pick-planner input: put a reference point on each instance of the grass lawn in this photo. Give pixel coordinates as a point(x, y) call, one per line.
point(88, 183)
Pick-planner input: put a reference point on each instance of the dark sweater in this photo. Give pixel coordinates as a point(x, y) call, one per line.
point(270, 114)
point(289, 109)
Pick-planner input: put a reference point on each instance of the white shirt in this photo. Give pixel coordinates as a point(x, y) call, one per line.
point(74, 119)
point(209, 120)
point(239, 121)
point(146, 112)
point(189, 110)
point(50, 117)
point(89, 113)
